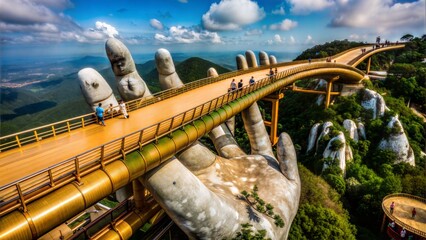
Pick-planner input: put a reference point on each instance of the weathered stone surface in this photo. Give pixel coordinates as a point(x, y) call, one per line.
point(361, 131)
point(397, 142)
point(325, 129)
point(95, 89)
point(352, 129)
point(263, 58)
point(241, 62)
point(272, 60)
point(130, 85)
point(251, 59)
point(375, 102)
point(339, 154)
point(313, 134)
point(166, 70)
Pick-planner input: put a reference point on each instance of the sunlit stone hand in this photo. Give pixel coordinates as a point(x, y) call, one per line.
point(95, 89)
point(201, 191)
point(130, 85)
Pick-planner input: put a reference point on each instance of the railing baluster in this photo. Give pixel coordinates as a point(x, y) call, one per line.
point(102, 156)
point(77, 170)
point(52, 183)
point(17, 141)
point(21, 198)
point(140, 137)
point(68, 126)
point(123, 152)
point(53, 131)
point(36, 136)
point(82, 122)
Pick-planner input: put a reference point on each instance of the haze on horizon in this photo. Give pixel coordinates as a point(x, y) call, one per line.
point(45, 28)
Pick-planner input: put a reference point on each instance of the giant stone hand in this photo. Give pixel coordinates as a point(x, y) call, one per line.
point(201, 191)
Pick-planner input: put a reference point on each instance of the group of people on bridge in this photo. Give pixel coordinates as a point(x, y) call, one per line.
point(100, 111)
point(234, 86)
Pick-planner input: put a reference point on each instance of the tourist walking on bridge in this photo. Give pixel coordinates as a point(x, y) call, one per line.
point(233, 86)
point(99, 111)
point(240, 85)
point(252, 81)
point(123, 109)
point(392, 207)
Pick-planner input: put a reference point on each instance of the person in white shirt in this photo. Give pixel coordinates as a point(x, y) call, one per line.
point(123, 109)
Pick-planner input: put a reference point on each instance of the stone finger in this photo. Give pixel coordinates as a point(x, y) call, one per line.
point(256, 131)
point(130, 85)
point(95, 89)
point(287, 157)
point(251, 59)
point(166, 70)
point(263, 58)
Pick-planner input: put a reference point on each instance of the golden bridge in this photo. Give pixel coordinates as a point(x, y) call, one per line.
point(52, 173)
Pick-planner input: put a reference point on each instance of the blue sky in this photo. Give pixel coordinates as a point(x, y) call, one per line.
point(42, 28)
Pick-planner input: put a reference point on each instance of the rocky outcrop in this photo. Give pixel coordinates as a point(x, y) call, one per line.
point(397, 142)
point(371, 100)
point(313, 134)
point(321, 84)
point(337, 150)
point(352, 129)
point(361, 131)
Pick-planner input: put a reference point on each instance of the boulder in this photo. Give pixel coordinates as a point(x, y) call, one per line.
point(339, 154)
point(313, 134)
point(352, 129)
point(397, 142)
point(374, 101)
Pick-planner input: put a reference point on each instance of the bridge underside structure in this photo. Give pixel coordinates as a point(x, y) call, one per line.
point(39, 216)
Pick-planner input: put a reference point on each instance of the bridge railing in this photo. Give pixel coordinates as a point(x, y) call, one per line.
point(397, 221)
point(51, 130)
point(19, 193)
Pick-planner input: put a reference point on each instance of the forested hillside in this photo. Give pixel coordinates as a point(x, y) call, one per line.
point(372, 173)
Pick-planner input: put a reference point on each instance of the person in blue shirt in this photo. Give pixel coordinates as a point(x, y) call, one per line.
point(100, 114)
point(252, 81)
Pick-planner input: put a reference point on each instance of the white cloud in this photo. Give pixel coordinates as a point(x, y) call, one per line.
point(156, 24)
point(292, 40)
point(232, 15)
point(381, 15)
point(253, 32)
point(181, 34)
point(309, 39)
point(279, 11)
point(277, 38)
point(285, 25)
point(24, 21)
point(307, 6)
point(106, 29)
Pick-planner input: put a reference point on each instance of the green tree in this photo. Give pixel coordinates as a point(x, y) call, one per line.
point(316, 222)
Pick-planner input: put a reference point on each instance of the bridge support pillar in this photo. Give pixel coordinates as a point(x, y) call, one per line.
point(367, 71)
point(273, 124)
point(329, 88)
point(139, 194)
